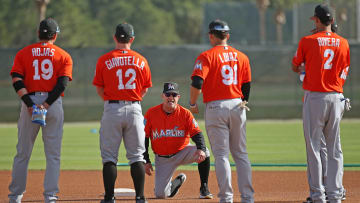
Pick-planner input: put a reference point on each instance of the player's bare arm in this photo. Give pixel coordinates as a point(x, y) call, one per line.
point(100, 92)
point(148, 169)
point(194, 94)
point(295, 68)
point(143, 92)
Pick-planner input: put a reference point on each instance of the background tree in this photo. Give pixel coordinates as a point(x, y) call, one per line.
point(262, 6)
point(42, 5)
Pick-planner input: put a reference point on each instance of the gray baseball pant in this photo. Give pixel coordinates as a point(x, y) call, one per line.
point(226, 128)
point(322, 113)
point(165, 168)
point(52, 137)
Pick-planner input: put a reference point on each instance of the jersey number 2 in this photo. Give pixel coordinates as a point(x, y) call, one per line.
point(229, 74)
point(328, 53)
point(47, 69)
point(130, 83)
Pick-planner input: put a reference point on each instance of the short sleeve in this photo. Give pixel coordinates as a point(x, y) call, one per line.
point(246, 73)
point(201, 67)
point(147, 76)
point(18, 67)
point(298, 58)
point(98, 78)
point(68, 66)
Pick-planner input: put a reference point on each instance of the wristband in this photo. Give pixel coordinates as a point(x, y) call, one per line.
point(192, 105)
point(27, 100)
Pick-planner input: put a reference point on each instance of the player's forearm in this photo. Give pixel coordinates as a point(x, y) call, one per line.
point(199, 141)
point(146, 153)
point(57, 91)
point(194, 94)
point(295, 68)
point(143, 92)
point(21, 91)
point(100, 92)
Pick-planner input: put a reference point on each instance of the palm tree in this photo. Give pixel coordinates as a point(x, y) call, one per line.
point(262, 6)
point(42, 5)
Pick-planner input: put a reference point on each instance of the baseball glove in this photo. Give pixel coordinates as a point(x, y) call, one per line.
point(38, 115)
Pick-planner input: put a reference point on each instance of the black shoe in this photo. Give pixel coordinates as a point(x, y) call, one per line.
point(176, 184)
point(108, 201)
point(205, 193)
point(140, 200)
point(308, 200)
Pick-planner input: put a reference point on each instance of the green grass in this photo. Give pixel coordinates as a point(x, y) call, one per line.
point(269, 142)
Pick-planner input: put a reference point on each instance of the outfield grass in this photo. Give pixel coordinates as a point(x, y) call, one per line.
point(273, 142)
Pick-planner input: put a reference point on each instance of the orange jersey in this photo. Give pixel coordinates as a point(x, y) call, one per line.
point(224, 70)
point(169, 133)
point(42, 64)
point(327, 59)
point(123, 74)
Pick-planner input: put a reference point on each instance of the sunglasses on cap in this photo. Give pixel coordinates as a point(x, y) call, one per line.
point(171, 94)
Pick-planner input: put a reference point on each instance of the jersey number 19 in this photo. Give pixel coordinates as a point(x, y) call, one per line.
point(46, 67)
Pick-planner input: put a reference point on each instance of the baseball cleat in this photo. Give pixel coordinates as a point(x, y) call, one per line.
point(205, 193)
point(176, 184)
point(141, 200)
point(108, 201)
point(343, 196)
point(308, 200)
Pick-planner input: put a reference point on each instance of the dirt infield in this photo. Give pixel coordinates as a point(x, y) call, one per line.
point(87, 186)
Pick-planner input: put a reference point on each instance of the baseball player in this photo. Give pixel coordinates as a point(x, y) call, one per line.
point(327, 59)
point(40, 74)
point(122, 78)
point(323, 150)
point(223, 74)
point(170, 126)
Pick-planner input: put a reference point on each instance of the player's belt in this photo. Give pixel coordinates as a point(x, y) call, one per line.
point(167, 156)
point(37, 93)
point(123, 102)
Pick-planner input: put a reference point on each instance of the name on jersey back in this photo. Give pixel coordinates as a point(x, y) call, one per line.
point(228, 56)
point(42, 51)
point(328, 41)
point(124, 61)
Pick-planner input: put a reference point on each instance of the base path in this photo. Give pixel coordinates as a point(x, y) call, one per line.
point(87, 186)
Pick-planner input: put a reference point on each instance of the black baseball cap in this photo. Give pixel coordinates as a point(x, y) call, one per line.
point(171, 87)
point(219, 25)
point(49, 26)
point(125, 31)
point(324, 13)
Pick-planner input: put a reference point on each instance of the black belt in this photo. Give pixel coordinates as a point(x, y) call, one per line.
point(167, 156)
point(123, 102)
point(34, 93)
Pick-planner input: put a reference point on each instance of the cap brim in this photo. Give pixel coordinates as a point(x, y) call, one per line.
point(171, 91)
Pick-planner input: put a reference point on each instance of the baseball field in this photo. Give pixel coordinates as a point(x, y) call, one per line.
point(276, 150)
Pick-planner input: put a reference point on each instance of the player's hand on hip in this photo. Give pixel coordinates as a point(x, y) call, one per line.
point(148, 169)
point(200, 156)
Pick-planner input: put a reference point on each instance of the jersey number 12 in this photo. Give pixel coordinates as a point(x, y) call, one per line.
point(130, 83)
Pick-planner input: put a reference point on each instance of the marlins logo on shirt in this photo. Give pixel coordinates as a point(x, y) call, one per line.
point(198, 65)
point(168, 133)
